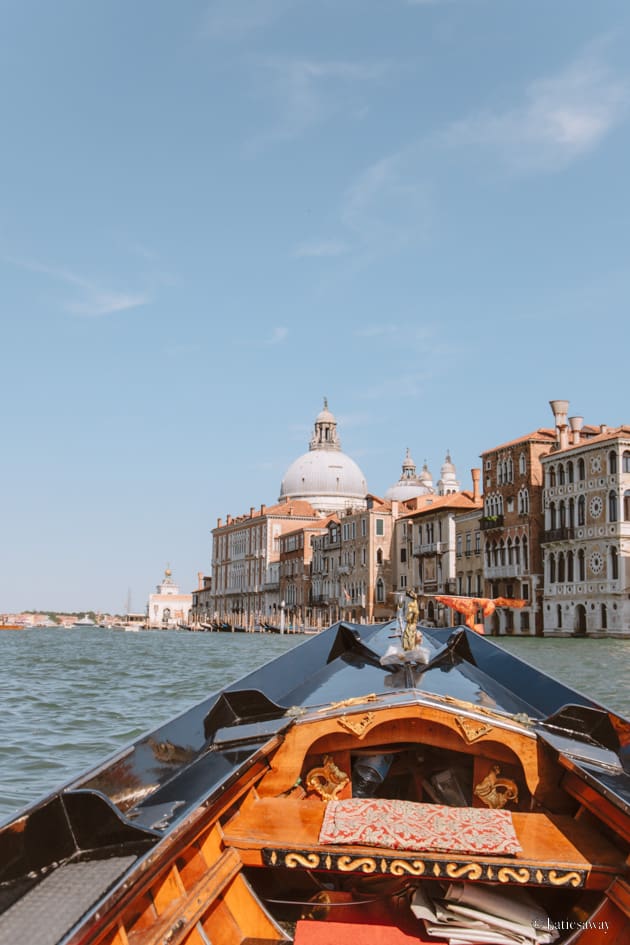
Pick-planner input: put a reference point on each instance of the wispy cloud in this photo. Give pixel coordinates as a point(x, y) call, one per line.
point(278, 335)
point(309, 92)
point(562, 118)
point(92, 299)
point(377, 331)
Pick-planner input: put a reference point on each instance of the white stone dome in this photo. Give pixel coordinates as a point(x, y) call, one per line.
point(325, 476)
point(409, 485)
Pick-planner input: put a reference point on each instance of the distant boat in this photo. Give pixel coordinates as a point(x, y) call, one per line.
point(84, 622)
point(12, 626)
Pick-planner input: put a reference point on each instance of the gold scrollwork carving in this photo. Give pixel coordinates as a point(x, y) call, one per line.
point(327, 780)
point(561, 879)
point(507, 875)
point(348, 864)
point(400, 867)
point(309, 861)
point(495, 791)
point(358, 725)
point(469, 870)
point(436, 869)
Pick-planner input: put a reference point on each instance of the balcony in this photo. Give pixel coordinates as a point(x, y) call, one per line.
point(495, 572)
point(558, 534)
point(430, 548)
point(491, 521)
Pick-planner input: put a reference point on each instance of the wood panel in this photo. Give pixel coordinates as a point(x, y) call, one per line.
point(556, 849)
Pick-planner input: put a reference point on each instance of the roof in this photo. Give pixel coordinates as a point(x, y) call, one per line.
point(541, 435)
point(436, 503)
point(611, 434)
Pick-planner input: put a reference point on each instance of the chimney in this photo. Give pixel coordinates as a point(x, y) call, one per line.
point(603, 428)
point(199, 580)
point(219, 523)
point(560, 408)
point(251, 511)
point(576, 424)
point(476, 476)
point(263, 509)
point(228, 520)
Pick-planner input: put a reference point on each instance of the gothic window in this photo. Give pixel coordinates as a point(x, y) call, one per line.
point(502, 551)
point(559, 616)
point(561, 573)
point(552, 515)
point(509, 551)
point(581, 470)
point(522, 465)
point(626, 506)
point(570, 471)
point(570, 566)
point(604, 617)
point(626, 461)
point(561, 474)
point(495, 554)
point(379, 556)
point(488, 555)
point(517, 551)
point(581, 564)
point(612, 462)
point(552, 475)
point(612, 506)
point(552, 569)
point(380, 591)
point(581, 510)
point(571, 512)
point(525, 555)
point(613, 564)
point(563, 515)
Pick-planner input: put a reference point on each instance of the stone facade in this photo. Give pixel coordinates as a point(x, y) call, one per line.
point(586, 540)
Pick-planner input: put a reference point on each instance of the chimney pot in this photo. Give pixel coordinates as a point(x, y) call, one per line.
point(476, 477)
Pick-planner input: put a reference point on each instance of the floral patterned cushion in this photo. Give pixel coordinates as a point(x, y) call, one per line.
point(404, 825)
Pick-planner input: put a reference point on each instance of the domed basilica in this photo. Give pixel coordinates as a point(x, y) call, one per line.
point(325, 476)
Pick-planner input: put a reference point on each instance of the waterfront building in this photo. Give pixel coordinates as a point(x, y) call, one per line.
point(202, 604)
point(296, 552)
point(247, 584)
point(246, 562)
point(469, 552)
point(586, 538)
point(426, 544)
point(351, 568)
point(168, 608)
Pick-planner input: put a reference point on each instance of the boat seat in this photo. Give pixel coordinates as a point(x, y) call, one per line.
point(557, 851)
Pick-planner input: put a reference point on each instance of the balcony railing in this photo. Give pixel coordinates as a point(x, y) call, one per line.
point(430, 548)
point(491, 521)
point(559, 534)
point(503, 571)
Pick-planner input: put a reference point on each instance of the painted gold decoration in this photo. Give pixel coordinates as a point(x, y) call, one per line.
point(400, 867)
point(561, 879)
point(348, 864)
point(327, 780)
point(469, 870)
point(495, 791)
point(358, 725)
point(343, 703)
point(309, 861)
point(414, 865)
point(472, 728)
point(506, 874)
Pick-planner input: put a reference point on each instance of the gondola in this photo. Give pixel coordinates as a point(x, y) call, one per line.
point(346, 791)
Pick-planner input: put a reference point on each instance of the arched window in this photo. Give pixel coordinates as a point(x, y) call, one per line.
point(380, 591)
point(522, 465)
point(570, 471)
point(612, 462)
point(571, 512)
point(561, 573)
point(488, 558)
point(552, 569)
point(569, 565)
point(626, 506)
point(563, 515)
point(559, 616)
point(552, 475)
point(561, 474)
point(612, 506)
point(581, 510)
point(379, 556)
point(525, 555)
point(604, 617)
point(495, 554)
point(552, 516)
point(517, 550)
point(625, 462)
point(581, 564)
point(581, 470)
point(509, 551)
point(613, 563)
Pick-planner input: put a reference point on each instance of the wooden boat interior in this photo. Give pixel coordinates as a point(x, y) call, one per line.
point(216, 828)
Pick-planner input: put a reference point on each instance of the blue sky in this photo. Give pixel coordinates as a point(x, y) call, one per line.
point(214, 214)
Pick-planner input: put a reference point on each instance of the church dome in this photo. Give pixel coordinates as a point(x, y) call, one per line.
point(325, 476)
point(409, 485)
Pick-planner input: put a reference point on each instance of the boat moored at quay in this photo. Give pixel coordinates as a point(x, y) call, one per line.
point(352, 787)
